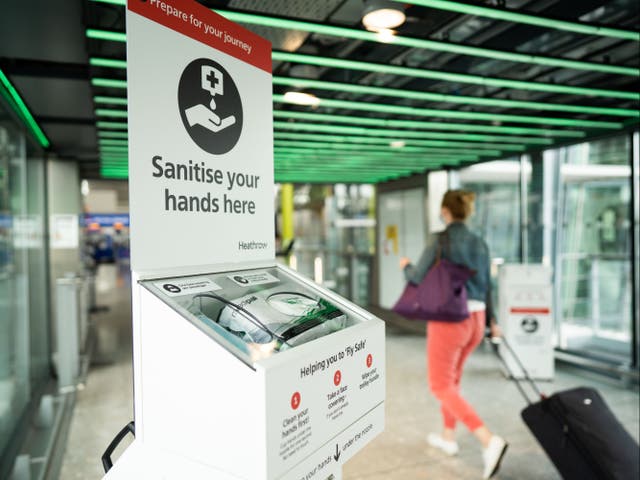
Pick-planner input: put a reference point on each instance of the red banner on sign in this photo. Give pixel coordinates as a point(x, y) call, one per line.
point(531, 310)
point(199, 23)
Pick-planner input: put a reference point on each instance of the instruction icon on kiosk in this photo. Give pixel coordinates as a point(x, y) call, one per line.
point(295, 400)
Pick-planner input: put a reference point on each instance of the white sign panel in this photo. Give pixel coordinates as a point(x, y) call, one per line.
point(525, 299)
point(65, 230)
point(200, 138)
point(27, 231)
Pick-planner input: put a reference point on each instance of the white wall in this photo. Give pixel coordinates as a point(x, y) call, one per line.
point(63, 199)
point(402, 212)
point(107, 196)
point(438, 184)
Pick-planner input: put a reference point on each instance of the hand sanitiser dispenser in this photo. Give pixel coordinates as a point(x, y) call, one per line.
point(243, 369)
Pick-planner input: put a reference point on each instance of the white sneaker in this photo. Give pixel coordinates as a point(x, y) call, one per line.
point(447, 446)
point(492, 456)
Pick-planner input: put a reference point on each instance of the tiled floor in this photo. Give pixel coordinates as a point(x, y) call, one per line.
point(400, 453)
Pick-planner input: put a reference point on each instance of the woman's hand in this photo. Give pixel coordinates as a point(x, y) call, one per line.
point(495, 330)
point(404, 261)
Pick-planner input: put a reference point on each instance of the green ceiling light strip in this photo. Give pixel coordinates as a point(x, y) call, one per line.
point(107, 112)
point(112, 125)
point(121, 3)
point(376, 148)
point(394, 123)
point(448, 47)
point(108, 83)
point(110, 100)
point(438, 97)
point(108, 35)
point(121, 148)
point(9, 92)
point(327, 143)
point(107, 62)
point(400, 109)
point(314, 159)
point(112, 141)
point(315, 171)
point(429, 112)
point(385, 142)
point(377, 157)
point(449, 77)
point(516, 17)
point(114, 153)
point(357, 179)
point(110, 134)
point(345, 166)
point(403, 134)
point(114, 150)
point(114, 175)
point(365, 35)
point(444, 76)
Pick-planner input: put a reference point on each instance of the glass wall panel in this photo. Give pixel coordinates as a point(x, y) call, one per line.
point(497, 218)
point(31, 237)
point(14, 304)
point(636, 245)
point(592, 248)
point(24, 300)
point(335, 236)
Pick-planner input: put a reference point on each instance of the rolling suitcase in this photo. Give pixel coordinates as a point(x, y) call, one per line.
point(578, 432)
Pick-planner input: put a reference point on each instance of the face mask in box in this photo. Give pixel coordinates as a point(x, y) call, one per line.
point(286, 318)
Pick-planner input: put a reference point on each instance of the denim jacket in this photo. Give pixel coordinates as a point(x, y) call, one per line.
point(460, 246)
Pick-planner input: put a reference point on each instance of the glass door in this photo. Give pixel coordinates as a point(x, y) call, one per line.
point(14, 305)
point(593, 249)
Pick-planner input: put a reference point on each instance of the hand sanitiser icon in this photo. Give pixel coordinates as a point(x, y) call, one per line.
point(212, 81)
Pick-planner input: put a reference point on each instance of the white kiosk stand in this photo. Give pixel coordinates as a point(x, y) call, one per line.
point(243, 369)
point(525, 302)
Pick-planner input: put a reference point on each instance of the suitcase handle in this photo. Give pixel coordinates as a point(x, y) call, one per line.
point(107, 463)
point(495, 341)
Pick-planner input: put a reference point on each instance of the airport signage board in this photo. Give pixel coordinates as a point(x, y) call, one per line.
point(526, 316)
point(200, 138)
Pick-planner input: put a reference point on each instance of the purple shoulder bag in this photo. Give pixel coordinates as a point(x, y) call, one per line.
point(441, 296)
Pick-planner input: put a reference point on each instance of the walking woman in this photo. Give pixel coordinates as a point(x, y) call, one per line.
point(450, 343)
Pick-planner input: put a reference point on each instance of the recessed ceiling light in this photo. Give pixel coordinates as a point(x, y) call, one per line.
point(381, 14)
point(301, 98)
point(397, 144)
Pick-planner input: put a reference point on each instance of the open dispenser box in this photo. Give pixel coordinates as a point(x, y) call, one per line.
point(258, 373)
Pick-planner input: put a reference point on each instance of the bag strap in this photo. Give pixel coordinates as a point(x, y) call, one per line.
point(439, 250)
point(444, 235)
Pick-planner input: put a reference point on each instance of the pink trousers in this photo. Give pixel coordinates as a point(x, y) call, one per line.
point(448, 346)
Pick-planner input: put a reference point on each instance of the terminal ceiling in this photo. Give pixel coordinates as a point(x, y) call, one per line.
point(455, 85)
